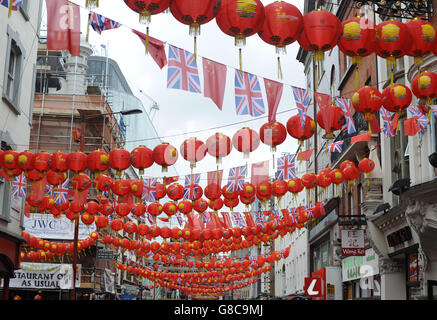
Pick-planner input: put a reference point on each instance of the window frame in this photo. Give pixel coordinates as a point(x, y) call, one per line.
point(5, 214)
point(13, 46)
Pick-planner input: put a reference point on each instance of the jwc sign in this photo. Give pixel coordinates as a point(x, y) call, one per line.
point(352, 243)
point(44, 276)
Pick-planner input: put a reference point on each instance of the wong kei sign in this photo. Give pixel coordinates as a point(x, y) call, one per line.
point(44, 276)
point(48, 227)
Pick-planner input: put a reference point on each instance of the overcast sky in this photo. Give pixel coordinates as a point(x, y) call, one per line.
point(181, 111)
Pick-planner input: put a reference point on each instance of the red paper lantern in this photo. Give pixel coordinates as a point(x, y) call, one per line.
point(240, 19)
point(231, 202)
point(200, 205)
point(103, 183)
point(295, 186)
point(366, 166)
point(130, 227)
point(282, 26)
point(393, 41)
point(92, 207)
point(367, 101)
point(194, 12)
point(154, 209)
point(424, 39)
point(141, 158)
point(139, 209)
point(193, 150)
point(273, 134)
point(81, 181)
point(170, 208)
point(185, 206)
point(248, 190)
point(123, 209)
point(212, 191)
point(246, 140)
point(87, 218)
point(121, 187)
point(147, 8)
point(331, 118)
point(279, 188)
point(351, 173)
point(396, 98)
point(216, 204)
point(424, 86)
point(101, 222)
point(77, 161)
point(219, 146)
point(165, 155)
point(25, 161)
point(358, 39)
point(294, 128)
point(323, 180)
point(58, 161)
point(136, 187)
point(175, 191)
point(41, 161)
point(264, 191)
point(98, 161)
point(119, 160)
point(161, 191)
point(337, 176)
point(322, 31)
point(309, 180)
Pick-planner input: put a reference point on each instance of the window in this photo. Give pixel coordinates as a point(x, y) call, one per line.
point(4, 200)
point(12, 77)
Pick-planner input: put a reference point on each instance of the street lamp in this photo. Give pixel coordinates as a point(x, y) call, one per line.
point(76, 222)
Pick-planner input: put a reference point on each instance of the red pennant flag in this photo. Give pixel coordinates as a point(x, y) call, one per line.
point(214, 75)
point(215, 177)
point(4, 174)
point(411, 127)
point(63, 26)
point(374, 125)
point(169, 180)
point(27, 209)
point(361, 137)
point(210, 221)
point(227, 220)
point(249, 219)
point(274, 91)
point(305, 155)
point(324, 103)
point(156, 48)
point(260, 172)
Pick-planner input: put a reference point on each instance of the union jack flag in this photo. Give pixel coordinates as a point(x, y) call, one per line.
point(100, 23)
point(388, 129)
point(276, 217)
point(150, 218)
point(286, 167)
point(334, 147)
point(293, 214)
point(236, 179)
point(192, 187)
point(302, 98)
point(149, 189)
point(309, 211)
point(259, 218)
point(49, 189)
point(434, 110)
point(180, 219)
point(422, 119)
point(248, 95)
point(345, 105)
point(16, 4)
point(182, 70)
point(238, 219)
point(19, 185)
point(61, 194)
point(253, 263)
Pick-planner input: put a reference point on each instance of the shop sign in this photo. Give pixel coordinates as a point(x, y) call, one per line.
point(352, 243)
point(44, 276)
point(313, 287)
point(48, 227)
point(360, 267)
point(103, 254)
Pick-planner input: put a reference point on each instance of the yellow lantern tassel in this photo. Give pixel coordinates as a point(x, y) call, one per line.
point(279, 68)
point(356, 79)
point(316, 76)
point(88, 29)
point(195, 49)
point(147, 40)
point(241, 59)
point(10, 8)
point(370, 128)
point(91, 4)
